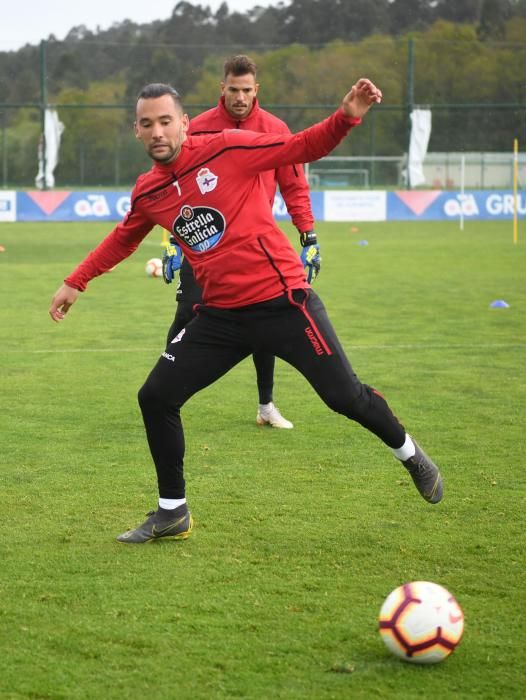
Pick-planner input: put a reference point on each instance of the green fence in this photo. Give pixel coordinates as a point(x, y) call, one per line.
point(475, 93)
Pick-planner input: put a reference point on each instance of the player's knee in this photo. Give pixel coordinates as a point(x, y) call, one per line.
point(146, 396)
point(370, 407)
point(353, 402)
point(157, 396)
point(341, 401)
point(152, 396)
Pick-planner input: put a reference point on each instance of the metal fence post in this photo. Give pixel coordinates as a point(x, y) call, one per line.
point(410, 98)
point(43, 107)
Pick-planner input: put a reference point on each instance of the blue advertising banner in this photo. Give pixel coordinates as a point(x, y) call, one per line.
point(331, 205)
point(55, 205)
point(436, 205)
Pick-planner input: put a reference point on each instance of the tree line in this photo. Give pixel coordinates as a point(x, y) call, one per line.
point(463, 57)
point(182, 42)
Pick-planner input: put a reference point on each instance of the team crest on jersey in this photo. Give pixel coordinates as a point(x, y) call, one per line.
point(206, 180)
point(201, 228)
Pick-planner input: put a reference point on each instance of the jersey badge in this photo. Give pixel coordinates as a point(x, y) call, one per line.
point(206, 180)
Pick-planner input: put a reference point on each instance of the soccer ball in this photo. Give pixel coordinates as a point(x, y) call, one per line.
point(421, 622)
point(154, 267)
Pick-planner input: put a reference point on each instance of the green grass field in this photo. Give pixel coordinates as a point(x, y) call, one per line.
point(299, 534)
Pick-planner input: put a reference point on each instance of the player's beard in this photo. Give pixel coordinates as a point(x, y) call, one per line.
point(173, 151)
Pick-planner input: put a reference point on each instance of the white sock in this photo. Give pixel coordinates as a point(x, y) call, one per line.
point(171, 503)
point(406, 451)
point(265, 406)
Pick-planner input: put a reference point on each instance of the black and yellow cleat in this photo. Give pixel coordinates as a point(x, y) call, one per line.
point(176, 524)
point(426, 475)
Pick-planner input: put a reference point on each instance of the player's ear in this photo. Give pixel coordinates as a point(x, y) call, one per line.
point(256, 88)
point(135, 130)
point(222, 84)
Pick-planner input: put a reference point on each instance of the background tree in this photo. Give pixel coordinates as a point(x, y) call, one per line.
point(457, 10)
point(493, 16)
point(409, 14)
point(316, 22)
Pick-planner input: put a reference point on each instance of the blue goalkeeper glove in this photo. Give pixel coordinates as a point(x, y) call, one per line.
point(310, 255)
point(172, 260)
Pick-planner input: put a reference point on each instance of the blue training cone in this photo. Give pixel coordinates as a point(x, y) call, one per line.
point(499, 304)
point(363, 242)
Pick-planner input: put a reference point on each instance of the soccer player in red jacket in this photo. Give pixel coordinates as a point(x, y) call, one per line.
point(208, 192)
point(238, 108)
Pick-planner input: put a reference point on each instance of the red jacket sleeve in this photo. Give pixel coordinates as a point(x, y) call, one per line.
point(118, 245)
point(261, 152)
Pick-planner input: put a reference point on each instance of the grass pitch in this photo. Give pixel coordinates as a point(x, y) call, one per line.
point(299, 534)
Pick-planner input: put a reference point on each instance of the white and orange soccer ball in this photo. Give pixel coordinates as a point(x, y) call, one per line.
point(421, 622)
point(154, 267)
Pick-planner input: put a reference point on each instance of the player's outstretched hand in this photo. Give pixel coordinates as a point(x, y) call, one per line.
point(64, 298)
point(362, 96)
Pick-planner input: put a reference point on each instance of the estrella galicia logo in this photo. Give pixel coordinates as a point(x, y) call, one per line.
point(201, 228)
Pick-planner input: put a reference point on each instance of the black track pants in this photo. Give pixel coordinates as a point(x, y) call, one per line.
point(295, 328)
point(264, 362)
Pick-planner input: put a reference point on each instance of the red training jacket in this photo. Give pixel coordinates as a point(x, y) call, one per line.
point(290, 178)
point(213, 200)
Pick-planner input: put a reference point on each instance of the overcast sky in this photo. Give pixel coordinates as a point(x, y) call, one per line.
point(28, 21)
